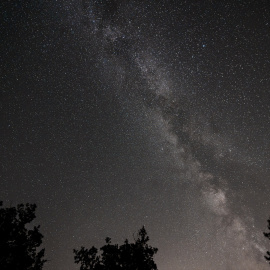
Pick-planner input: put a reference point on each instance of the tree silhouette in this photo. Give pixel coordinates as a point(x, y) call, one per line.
point(129, 256)
point(267, 235)
point(18, 245)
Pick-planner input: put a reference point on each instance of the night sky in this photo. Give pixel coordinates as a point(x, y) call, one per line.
point(118, 114)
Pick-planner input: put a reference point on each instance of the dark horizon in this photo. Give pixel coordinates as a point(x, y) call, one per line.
point(118, 114)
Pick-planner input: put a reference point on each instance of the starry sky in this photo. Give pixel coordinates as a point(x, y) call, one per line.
point(118, 114)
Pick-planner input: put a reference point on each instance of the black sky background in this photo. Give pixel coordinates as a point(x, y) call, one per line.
point(118, 114)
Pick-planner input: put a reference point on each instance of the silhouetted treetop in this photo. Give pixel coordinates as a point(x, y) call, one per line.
point(18, 245)
point(129, 256)
point(267, 235)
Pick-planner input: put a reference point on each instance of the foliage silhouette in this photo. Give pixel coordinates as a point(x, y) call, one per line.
point(18, 245)
point(267, 235)
point(129, 256)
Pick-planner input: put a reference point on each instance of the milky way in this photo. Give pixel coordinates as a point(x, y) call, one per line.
point(119, 114)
